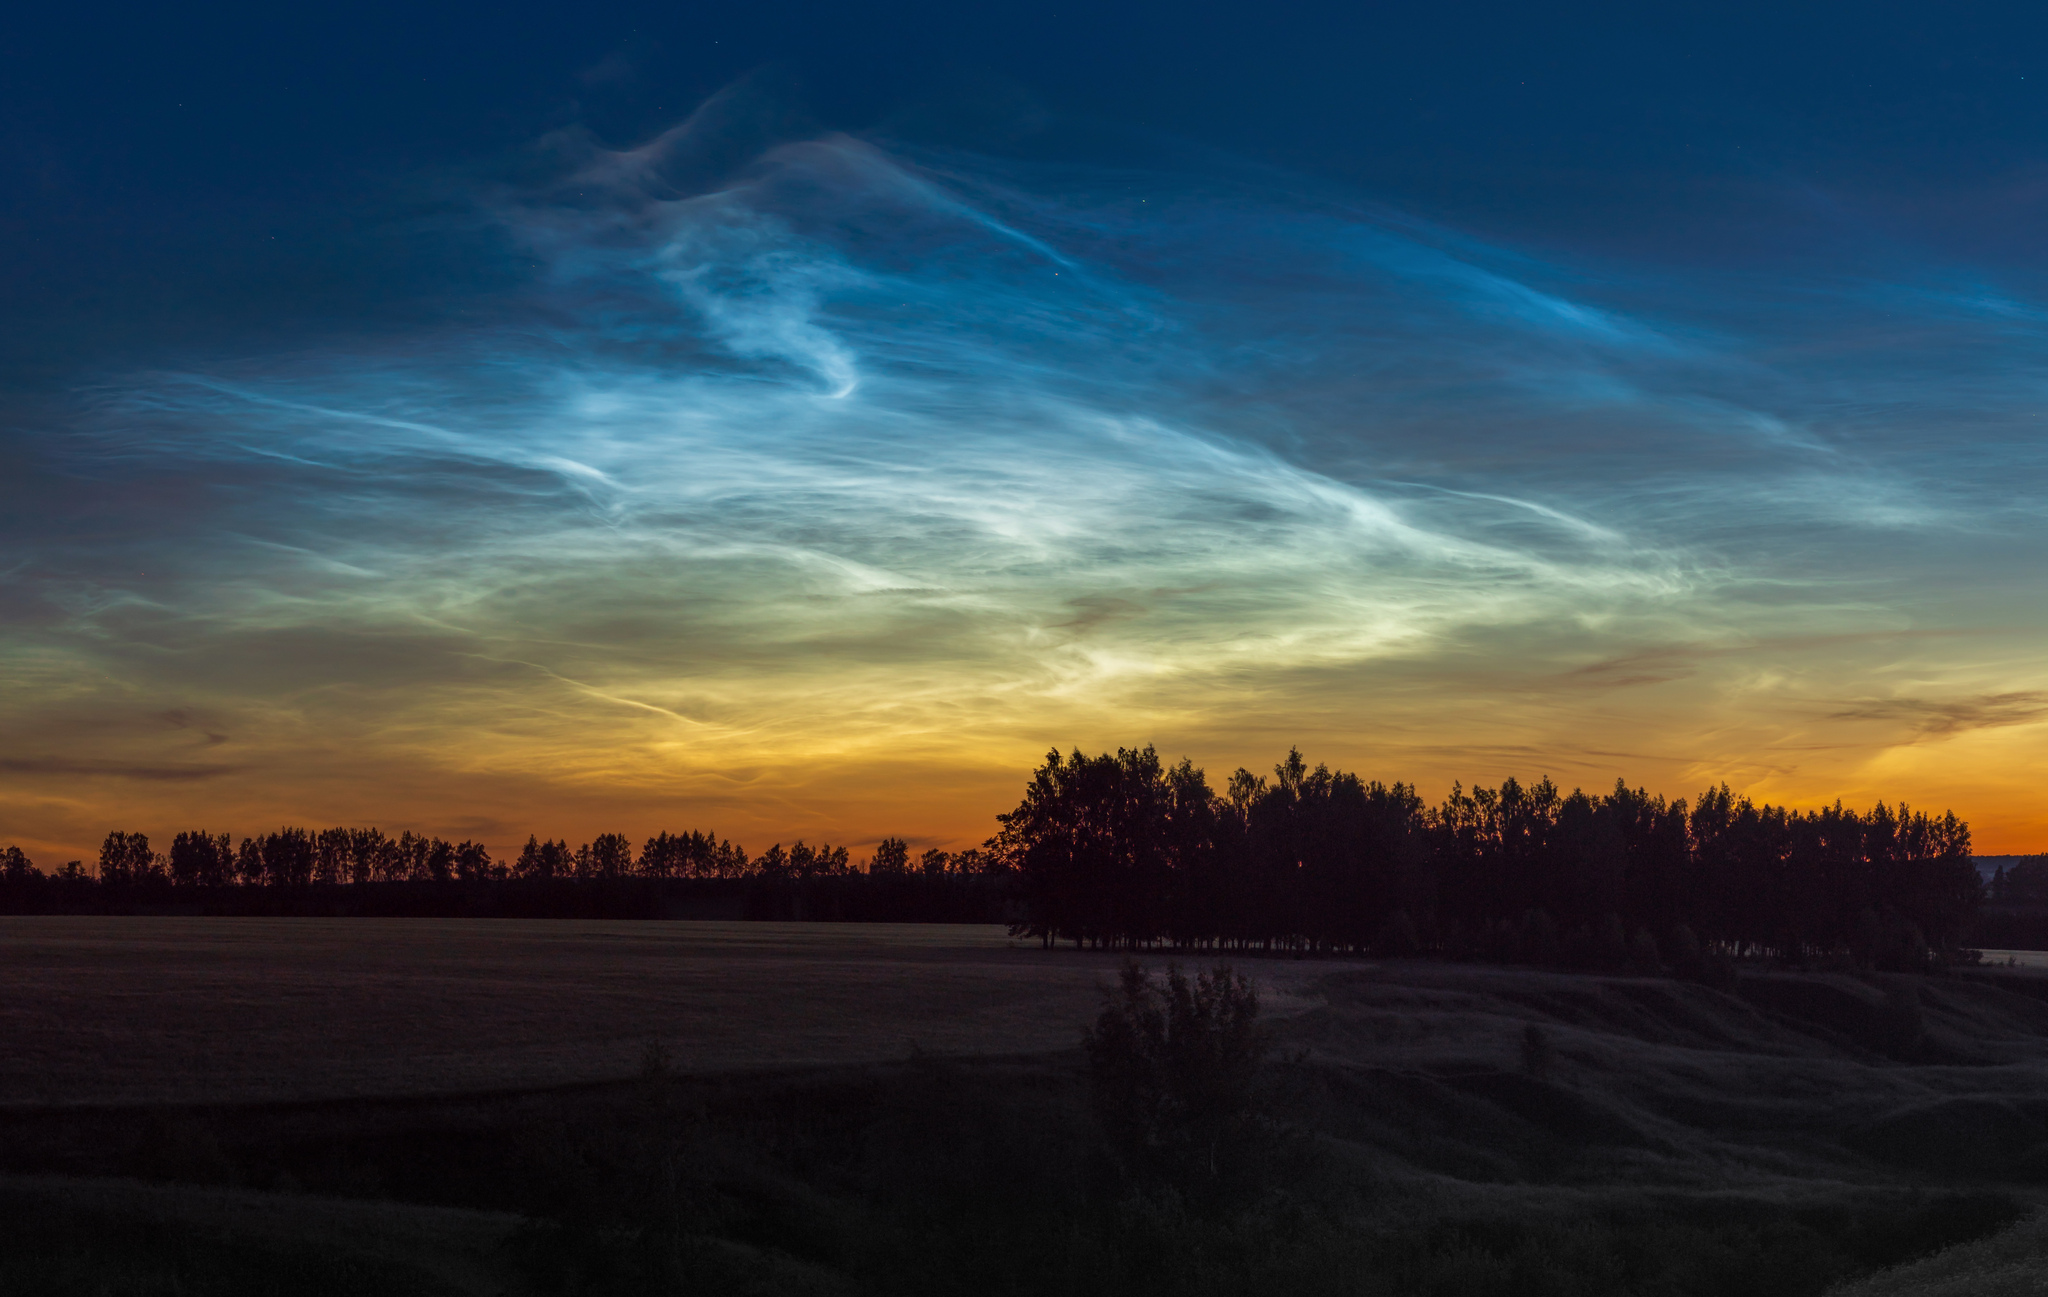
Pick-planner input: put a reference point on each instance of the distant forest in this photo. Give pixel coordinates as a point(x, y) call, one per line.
point(1118, 849)
point(353, 871)
point(1121, 851)
point(297, 858)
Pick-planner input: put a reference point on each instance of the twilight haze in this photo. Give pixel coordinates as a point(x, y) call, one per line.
point(792, 420)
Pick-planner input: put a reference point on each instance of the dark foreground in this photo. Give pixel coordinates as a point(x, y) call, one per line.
point(1411, 1135)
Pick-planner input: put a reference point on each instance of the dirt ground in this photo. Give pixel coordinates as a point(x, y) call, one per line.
point(195, 1010)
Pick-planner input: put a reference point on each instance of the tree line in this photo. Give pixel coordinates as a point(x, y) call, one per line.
point(1121, 850)
point(342, 857)
point(2022, 883)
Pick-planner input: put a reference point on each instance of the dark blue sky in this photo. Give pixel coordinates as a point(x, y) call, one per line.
point(150, 153)
point(798, 417)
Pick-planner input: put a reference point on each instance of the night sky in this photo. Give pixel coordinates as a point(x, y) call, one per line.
point(792, 420)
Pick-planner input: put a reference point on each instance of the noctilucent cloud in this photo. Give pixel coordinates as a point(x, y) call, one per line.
point(654, 435)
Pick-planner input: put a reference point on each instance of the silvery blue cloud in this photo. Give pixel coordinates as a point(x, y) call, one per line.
point(857, 449)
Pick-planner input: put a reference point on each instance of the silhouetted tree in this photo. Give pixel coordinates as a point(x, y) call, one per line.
point(473, 862)
point(440, 860)
point(1091, 844)
point(126, 861)
point(610, 856)
point(201, 859)
point(892, 856)
point(23, 889)
point(16, 868)
point(333, 850)
point(665, 856)
point(731, 861)
point(543, 860)
point(822, 861)
point(286, 858)
point(984, 861)
point(690, 855)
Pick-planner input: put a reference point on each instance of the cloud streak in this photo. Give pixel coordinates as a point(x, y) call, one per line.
point(1931, 718)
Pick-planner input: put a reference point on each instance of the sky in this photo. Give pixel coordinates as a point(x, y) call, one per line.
point(793, 420)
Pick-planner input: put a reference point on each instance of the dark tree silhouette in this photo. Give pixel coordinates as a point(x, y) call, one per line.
point(16, 869)
point(1121, 850)
point(610, 855)
point(126, 861)
point(473, 863)
point(892, 856)
point(1116, 850)
point(201, 859)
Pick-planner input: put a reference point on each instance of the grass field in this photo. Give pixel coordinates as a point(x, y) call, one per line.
point(446, 1106)
point(192, 1010)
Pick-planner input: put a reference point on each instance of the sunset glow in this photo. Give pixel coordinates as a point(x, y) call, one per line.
point(815, 486)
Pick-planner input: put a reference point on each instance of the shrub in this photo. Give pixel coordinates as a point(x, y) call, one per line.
point(1173, 1072)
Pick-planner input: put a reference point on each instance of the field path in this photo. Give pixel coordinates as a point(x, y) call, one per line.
point(198, 1010)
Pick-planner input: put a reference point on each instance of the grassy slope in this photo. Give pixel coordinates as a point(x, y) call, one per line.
point(2013, 1263)
point(1796, 1078)
point(423, 1248)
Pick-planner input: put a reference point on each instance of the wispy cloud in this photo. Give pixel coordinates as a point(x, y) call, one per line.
point(1938, 718)
point(822, 449)
point(73, 768)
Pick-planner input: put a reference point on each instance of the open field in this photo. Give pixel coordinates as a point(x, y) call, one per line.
point(193, 1010)
point(2016, 958)
point(415, 1095)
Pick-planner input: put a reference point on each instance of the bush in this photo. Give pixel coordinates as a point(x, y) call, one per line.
point(1173, 1072)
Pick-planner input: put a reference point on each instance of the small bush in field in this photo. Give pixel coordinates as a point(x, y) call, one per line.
point(1173, 1071)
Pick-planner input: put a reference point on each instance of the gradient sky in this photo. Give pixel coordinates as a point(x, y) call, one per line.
point(792, 420)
